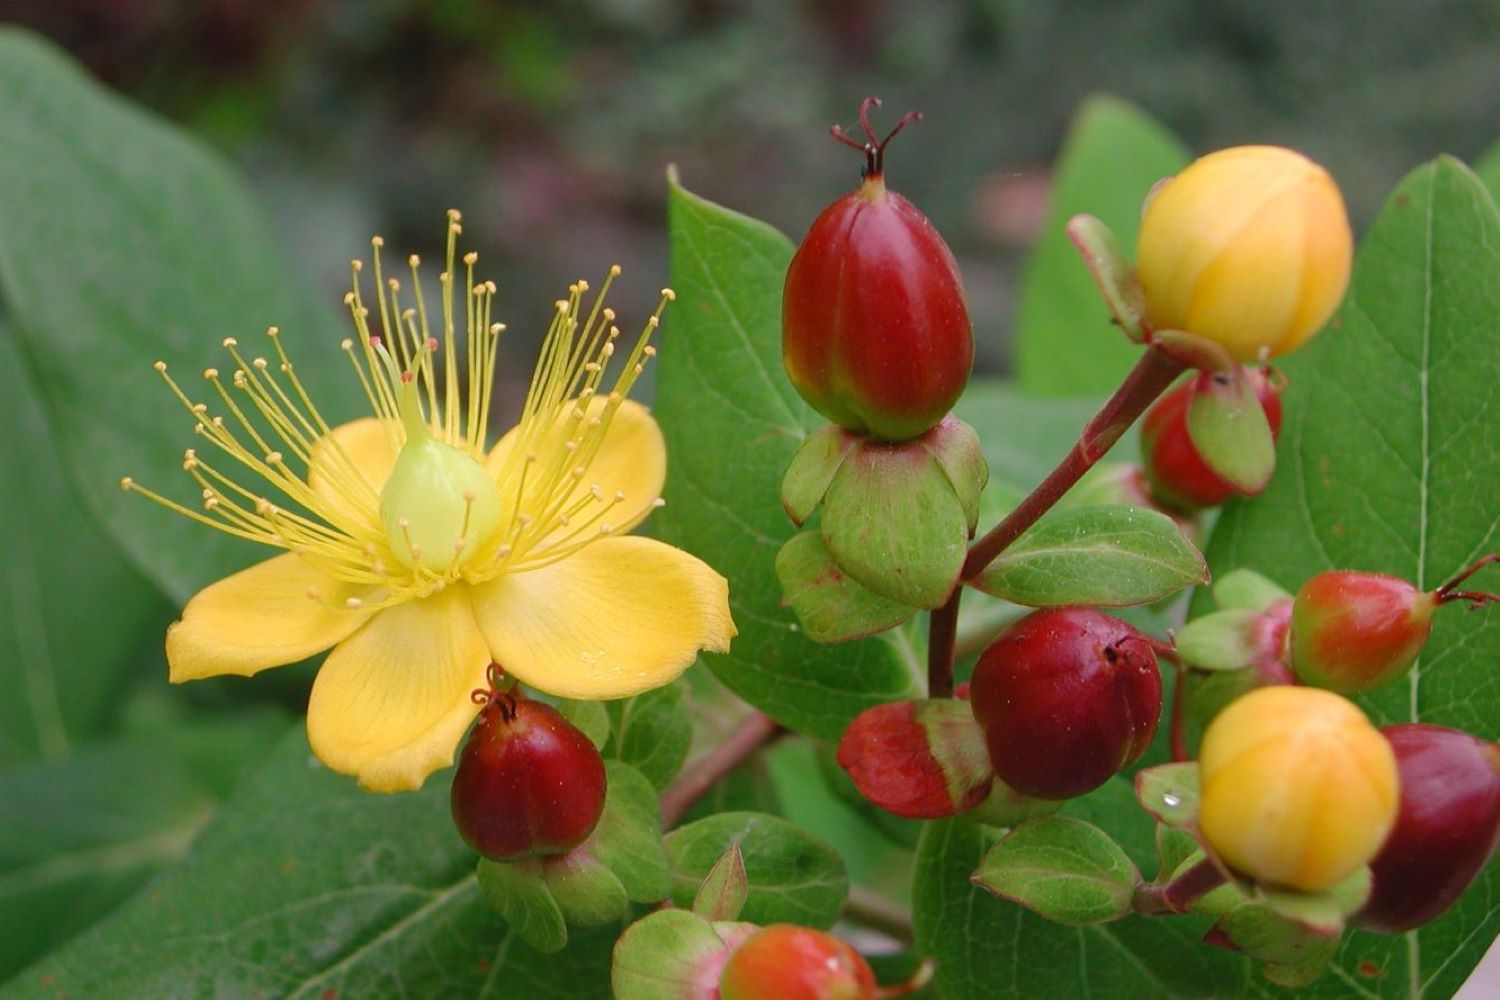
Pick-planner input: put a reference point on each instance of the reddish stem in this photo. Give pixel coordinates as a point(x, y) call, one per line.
point(754, 733)
point(873, 148)
point(1180, 893)
point(1152, 375)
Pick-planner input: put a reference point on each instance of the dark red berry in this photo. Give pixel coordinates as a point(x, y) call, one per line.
point(1066, 697)
point(875, 330)
point(1447, 825)
point(1356, 631)
point(1178, 475)
point(785, 962)
point(529, 783)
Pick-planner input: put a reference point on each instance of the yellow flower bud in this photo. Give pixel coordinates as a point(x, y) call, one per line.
point(1298, 788)
point(1249, 247)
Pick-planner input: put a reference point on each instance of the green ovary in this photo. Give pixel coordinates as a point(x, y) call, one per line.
point(439, 506)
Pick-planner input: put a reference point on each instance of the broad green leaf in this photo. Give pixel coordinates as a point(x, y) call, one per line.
point(651, 732)
point(990, 949)
point(591, 718)
point(1103, 556)
point(722, 392)
point(1069, 871)
point(830, 604)
point(79, 834)
point(793, 876)
point(628, 837)
point(1066, 345)
point(123, 242)
point(1388, 462)
point(58, 682)
point(302, 884)
point(1022, 437)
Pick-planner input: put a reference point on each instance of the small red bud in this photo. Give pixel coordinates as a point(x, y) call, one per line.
point(875, 331)
point(1447, 825)
point(1066, 697)
point(785, 962)
point(1354, 631)
point(529, 783)
point(921, 760)
point(1178, 475)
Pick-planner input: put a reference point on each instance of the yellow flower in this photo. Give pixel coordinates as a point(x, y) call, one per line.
point(1298, 788)
point(417, 554)
point(1249, 247)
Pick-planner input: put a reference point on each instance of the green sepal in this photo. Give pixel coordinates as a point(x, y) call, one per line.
point(956, 741)
point(520, 894)
point(725, 888)
point(1325, 911)
point(1169, 792)
point(812, 469)
point(791, 875)
point(1101, 556)
point(1193, 351)
point(1113, 273)
point(591, 718)
point(628, 837)
point(621, 862)
point(1006, 807)
point(956, 447)
point(1222, 640)
point(1228, 426)
point(1064, 869)
point(671, 954)
point(1246, 590)
point(830, 604)
point(1174, 846)
point(893, 521)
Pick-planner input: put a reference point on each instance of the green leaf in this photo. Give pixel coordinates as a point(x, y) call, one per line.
point(1169, 792)
point(79, 834)
point(591, 718)
point(793, 876)
point(123, 242)
point(1388, 463)
point(1022, 437)
point(990, 949)
point(831, 605)
point(1103, 556)
point(1230, 430)
point(58, 682)
point(651, 732)
point(722, 391)
point(303, 884)
point(1065, 344)
point(1067, 870)
point(725, 888)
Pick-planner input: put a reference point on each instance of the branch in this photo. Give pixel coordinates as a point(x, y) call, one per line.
point(755, 732)
point(870, 909)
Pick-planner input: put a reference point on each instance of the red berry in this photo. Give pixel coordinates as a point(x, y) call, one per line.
point(529, 783)
point(1067, 697)
point(1178, 475)
point(921, 760)
point(1447, 825)
point(875, 331)
point(785, 962)
point(1356, 631)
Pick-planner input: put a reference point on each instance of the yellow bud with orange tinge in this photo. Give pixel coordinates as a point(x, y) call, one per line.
point(1298, 788)
point(1249, 247)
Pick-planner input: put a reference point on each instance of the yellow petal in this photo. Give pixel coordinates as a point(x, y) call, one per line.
point(366, 444)
point(621, 616)
point(632, 459)
point(392, 701)
point(276, 612)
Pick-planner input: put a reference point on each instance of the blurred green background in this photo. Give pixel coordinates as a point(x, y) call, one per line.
point(549, 124)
